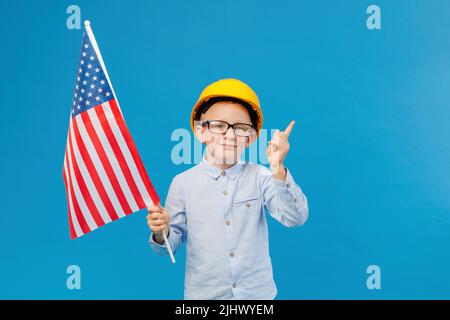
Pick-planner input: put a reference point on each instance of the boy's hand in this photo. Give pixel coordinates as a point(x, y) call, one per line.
point(158, 220)
point(277, 150)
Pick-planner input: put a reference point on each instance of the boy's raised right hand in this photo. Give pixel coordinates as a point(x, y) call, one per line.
point(158, 220)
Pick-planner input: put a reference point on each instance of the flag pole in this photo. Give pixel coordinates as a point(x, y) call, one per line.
point(172, 258)
point(87, 26)
point(166, 241)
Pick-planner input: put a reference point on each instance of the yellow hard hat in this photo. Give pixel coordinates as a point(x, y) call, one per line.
point(229, 88)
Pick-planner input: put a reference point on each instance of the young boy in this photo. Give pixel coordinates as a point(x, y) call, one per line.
point(218, 207)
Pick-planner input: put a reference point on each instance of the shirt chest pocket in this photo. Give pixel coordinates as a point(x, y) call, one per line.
point(247, 204)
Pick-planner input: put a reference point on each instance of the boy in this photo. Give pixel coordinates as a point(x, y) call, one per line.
point(218, 206)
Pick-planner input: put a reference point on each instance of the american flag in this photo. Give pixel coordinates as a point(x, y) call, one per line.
point(103, 173)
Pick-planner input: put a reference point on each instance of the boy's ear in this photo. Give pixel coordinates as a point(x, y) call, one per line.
point(199, 131)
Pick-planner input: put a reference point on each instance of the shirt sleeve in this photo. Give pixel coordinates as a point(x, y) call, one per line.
point(284, 199)
point(175, 206)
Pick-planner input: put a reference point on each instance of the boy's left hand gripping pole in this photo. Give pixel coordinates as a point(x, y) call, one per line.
point(166, 241)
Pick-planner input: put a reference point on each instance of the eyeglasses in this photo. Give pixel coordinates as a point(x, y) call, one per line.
point(221, 127)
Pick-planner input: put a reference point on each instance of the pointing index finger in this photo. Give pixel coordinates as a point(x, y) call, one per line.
point(289, 128)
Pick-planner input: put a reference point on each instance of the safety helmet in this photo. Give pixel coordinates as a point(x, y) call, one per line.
point(233, 88)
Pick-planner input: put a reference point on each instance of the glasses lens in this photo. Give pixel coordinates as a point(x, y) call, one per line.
point(240, 129)
point(218, 126)
point(243, 130)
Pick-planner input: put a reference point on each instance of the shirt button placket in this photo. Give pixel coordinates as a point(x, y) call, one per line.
point(228, 230)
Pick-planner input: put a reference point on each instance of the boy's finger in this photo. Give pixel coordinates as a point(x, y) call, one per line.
point(152, 219)
point(288, 130)
point(158, 222)
point(275, 137)
point(154, 209)
point(274, 143)
point(155, 215)
point(159, 215)
point(275, 134)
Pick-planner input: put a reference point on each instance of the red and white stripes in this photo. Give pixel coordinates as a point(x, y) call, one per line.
point(103, 173)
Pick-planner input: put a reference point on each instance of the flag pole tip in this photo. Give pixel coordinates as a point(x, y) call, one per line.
point(87, 23)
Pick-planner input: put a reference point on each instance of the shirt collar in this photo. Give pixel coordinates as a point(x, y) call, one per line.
point(215, 172)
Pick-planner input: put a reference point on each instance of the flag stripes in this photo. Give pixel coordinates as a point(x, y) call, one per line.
point(103, 173)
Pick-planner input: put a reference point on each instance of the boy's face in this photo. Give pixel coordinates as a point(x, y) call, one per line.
point(225, 148)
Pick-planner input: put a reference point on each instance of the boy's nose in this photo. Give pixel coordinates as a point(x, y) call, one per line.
point(230, 133)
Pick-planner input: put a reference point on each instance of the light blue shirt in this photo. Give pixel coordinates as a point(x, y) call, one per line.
point(221, 215)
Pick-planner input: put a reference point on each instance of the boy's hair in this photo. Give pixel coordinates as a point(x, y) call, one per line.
point(208, 104)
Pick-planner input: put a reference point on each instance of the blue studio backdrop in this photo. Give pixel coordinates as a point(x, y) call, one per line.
point(370, 147)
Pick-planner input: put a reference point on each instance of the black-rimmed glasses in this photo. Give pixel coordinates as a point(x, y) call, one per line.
point(221, 127)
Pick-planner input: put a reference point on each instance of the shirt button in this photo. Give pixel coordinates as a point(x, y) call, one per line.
point(247, 204)
point(295, 200)
point(223, 173)
point(225, 192)
point(227, 222)
point(288, 185)
point(232, 254)
point(234, 285)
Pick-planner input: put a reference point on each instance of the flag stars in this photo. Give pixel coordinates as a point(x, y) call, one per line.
point(91, 86)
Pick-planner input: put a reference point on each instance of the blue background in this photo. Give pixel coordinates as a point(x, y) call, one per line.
point(370, 148)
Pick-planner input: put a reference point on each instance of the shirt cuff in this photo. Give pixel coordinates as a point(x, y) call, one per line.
point(161, 249)
point(286, 183)
point(288, 186)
